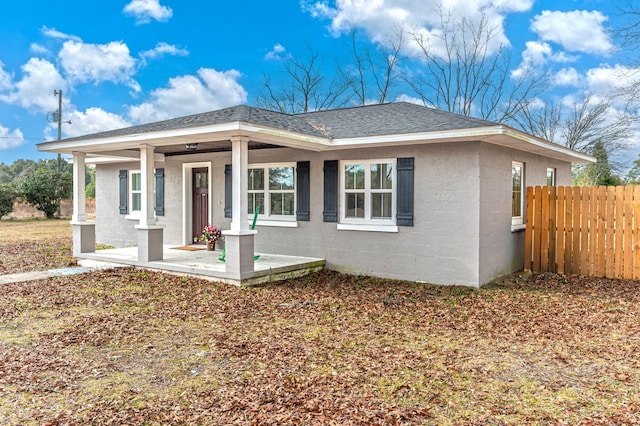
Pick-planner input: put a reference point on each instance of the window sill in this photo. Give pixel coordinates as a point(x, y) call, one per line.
point(367, 227)
point(276, 223)
point(518, 228)
point(133, 216)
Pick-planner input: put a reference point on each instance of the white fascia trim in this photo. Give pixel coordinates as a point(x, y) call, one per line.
point(507, 131)
point(168, 137)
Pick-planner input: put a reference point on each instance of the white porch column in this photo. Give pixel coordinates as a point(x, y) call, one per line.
point(239, 186)
point(79, 199)
point(239, 239)
point(150, 239)
point(84, 233)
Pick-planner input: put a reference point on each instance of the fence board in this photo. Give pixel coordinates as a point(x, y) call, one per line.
point(560, 231)
point(587, 231)
point(575, 253)
point(602, 224)
point(544, 230)
point(636, 232)
point(528, 237)
point(593, 230)
point(627, 262)
point(611, 232)
point(619, 229)
point(537, 234)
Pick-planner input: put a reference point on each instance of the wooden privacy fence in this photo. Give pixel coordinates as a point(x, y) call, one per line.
point(589, 231)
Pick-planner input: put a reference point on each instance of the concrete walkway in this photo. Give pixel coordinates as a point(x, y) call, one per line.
point(84, 267)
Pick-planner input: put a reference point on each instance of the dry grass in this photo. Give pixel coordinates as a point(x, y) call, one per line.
point(33, 245)
point(136, 347)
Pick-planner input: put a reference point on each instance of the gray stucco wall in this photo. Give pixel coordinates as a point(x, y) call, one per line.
point(453, 229)
point(502, 250)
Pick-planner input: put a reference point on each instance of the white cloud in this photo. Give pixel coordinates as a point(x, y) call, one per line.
point(10, 139)
point(604, 79)
point(146, 10)
point(163, 49)
point(93, 120)
point(381, 18)
point(568, 77)
point(576, 31)
point(189, 94)
point(53, 33)
point(38, 49)
point(5, 80)
point(410, 99)
point(85, 62)
point(35, 90)
point(275, 53)
point(537, 55)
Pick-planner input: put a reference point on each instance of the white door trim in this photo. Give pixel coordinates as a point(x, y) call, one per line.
point(187, 198)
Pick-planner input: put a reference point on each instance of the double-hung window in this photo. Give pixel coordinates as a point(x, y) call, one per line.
point(517, 193)
point(135, 192)
point(551, 176)
point(368, 192)
point(272, 190)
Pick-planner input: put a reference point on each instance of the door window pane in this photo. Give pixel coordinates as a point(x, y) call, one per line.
point(202, 180)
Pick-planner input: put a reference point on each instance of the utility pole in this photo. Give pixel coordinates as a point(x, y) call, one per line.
point(56, 117)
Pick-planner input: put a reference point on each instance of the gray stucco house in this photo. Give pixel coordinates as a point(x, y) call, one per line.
point(394, 190)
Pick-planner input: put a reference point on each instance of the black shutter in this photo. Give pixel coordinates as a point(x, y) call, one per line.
point(303, 191)
point(159, 174)
point(124, 174)
point(228, 180)
point(330, 212)
point(404, 206)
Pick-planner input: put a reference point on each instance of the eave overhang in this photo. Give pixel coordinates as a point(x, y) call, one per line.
point(497, 135)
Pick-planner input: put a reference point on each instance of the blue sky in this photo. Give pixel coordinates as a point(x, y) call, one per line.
point(127, 62)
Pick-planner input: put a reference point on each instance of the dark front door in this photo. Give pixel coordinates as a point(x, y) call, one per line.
point(200, 185)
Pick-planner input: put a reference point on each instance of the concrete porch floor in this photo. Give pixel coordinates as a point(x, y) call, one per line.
point(205, 264)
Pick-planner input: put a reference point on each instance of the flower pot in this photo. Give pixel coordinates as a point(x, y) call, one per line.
point(211, 246)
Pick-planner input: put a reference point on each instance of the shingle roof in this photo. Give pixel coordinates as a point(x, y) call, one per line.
point(370, 120)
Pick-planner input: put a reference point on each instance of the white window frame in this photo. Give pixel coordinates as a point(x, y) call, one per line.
point(518, 221)
point(553, 176)
point(368, 223)
point(266, 218)
point(135, 214)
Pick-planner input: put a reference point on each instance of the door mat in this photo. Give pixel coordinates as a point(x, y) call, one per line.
point(188, 248)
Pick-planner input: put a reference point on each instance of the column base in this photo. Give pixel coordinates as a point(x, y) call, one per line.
point(239, 255)
point(150, 243)
point(84, 237)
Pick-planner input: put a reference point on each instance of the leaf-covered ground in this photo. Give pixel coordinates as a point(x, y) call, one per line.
point(138, 347)
point(34, 245)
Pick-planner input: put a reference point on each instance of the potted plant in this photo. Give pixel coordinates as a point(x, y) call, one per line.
point(210, 235)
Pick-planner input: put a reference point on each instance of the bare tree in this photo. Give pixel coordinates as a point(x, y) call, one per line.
point(465, 74)
point(374, 68)
point(306, 87)
point(590, 125)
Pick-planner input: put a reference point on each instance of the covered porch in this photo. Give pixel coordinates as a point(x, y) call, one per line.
point(196, 261)
point(152, 149)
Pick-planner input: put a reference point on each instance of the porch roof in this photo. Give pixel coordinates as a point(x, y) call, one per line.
point(399, 123)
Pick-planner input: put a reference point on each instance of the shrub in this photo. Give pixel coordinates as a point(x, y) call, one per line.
point(44, 188)
point(7, 196)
